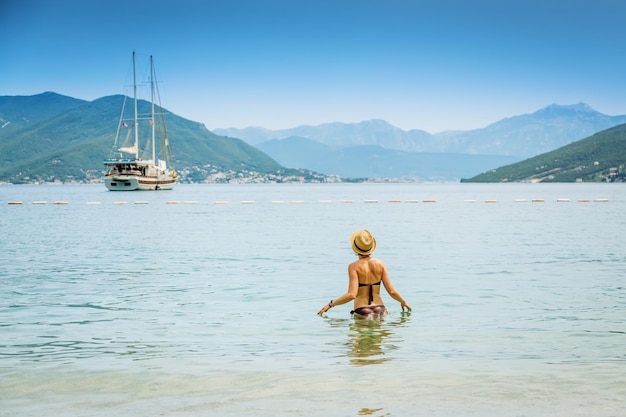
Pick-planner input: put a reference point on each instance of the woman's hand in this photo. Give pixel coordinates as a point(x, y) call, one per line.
point(325, 308)
point(405, 305)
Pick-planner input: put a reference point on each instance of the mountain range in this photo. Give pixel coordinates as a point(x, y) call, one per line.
point(375, 148)
point(520, 136)
point(598, 158)
point(51, 137)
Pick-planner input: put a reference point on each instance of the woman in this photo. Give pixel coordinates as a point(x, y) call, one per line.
point(364, 278)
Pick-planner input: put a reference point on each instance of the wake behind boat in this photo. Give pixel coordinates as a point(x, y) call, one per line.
point(135, 162)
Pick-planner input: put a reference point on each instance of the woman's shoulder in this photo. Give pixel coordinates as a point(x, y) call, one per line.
point(377, 261)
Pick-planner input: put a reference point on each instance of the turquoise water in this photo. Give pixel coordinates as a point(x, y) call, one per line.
point(202, 301)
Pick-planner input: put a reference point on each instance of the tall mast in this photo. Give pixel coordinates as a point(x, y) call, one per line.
point(152, 111)
point(136, 118)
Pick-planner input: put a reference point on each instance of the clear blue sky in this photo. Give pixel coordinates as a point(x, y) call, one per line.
point(419, 64)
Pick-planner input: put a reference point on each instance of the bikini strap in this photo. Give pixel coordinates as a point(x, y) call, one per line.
point(370, 299)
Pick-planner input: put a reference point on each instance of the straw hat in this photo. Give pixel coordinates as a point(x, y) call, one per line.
point(363, 243)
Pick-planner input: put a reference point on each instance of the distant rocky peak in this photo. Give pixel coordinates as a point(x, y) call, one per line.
point(581, 107)
point(567, 110)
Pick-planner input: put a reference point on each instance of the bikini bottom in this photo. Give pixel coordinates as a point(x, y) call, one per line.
point(367, 310)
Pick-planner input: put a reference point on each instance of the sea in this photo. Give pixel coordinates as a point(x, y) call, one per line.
point(203, 301)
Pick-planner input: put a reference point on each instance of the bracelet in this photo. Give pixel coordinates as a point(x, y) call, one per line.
point(330, 305)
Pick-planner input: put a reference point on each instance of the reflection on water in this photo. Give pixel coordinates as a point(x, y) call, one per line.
point(371, 339)
point(370, 411)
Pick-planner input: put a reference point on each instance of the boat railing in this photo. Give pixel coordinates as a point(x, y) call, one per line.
point(120, 161)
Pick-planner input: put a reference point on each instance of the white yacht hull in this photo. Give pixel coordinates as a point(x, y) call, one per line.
point(137, 183)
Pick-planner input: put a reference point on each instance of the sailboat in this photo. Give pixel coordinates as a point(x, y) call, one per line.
point(135, 162)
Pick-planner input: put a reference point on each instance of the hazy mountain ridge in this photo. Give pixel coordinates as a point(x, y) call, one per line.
point(393, 152)
point(542, 131)
point(337, 134)
point(373, 161)
point(520, 136)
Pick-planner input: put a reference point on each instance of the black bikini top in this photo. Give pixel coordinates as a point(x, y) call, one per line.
point(371, 295)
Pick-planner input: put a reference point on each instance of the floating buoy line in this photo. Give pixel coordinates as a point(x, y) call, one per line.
point(365, 201)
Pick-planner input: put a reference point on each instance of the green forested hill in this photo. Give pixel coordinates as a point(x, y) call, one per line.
point(19, 112)
point(67, 140)
point(600, 157)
